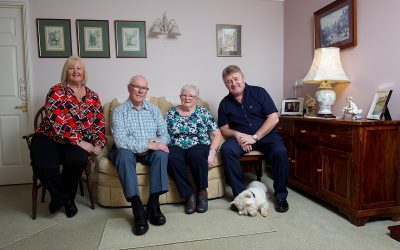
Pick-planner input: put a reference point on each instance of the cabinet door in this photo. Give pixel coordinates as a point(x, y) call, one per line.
point(303, 171)
point(335, 171)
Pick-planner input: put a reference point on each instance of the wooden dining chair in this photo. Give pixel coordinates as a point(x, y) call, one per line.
point(36, 182)
point(252, 162)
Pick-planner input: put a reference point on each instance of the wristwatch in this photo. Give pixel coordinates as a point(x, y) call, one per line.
point(255, 137)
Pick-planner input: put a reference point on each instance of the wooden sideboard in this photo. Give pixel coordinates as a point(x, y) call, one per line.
point(353, 165)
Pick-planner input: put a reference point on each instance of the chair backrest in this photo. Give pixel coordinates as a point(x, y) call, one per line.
point(39, 117)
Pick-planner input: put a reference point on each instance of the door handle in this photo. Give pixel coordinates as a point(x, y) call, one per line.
point(23, 107)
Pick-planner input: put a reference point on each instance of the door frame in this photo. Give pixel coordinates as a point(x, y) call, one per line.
point(25, 23)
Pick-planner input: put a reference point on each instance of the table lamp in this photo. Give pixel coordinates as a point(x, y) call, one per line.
point(326, 69)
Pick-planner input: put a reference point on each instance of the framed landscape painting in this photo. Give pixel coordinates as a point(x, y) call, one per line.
point(54, 37)
point(93, 38)
point(335, 25)
point(379, 104)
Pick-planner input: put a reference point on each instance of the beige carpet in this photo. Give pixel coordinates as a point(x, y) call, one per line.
point(16, 225)
point(184, 228)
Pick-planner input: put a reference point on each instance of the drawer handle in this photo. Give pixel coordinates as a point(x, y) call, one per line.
point(333, 136)
point(293, 161)
point(280, 128)
point(303, 131)
point(319, 170)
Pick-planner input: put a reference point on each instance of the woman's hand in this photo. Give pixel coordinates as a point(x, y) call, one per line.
point(86, 146)
point(97, 150)
point(211, 158)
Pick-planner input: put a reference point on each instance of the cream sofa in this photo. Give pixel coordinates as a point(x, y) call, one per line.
point(108, 188)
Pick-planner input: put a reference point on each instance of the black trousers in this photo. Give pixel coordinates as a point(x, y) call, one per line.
point(181, 160)
point(47, 156)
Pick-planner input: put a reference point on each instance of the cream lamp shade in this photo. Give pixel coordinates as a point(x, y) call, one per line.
point(326, 69)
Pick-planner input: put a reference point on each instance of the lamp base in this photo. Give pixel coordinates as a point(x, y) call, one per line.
point(326, 116)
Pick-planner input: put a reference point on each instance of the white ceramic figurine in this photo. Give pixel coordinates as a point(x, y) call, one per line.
point(352, 109)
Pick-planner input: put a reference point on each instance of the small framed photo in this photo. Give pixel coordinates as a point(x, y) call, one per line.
point(336, 25)
point(229, 40)
point(130, 38)
point(93, 38)
point(379, 104)
point(54, 37)
point(292, 106)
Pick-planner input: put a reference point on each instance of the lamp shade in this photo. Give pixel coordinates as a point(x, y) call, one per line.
point(156, 29)
point(326, 67)
point(174, 30)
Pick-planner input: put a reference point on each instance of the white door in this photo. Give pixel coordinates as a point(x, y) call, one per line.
point(14, 155)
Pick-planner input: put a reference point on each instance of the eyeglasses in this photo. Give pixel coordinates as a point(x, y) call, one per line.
point(188, 97)
point(137, 88)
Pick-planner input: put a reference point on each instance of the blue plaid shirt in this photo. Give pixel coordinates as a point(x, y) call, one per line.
point(133, 129)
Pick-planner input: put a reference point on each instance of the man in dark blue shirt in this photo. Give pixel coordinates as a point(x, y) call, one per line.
point(247, 117)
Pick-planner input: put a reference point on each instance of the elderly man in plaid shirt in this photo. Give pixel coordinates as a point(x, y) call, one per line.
point(140, 135)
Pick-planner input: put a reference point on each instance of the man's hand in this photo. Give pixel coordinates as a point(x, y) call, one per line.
point(245, 141)
point(153, 145)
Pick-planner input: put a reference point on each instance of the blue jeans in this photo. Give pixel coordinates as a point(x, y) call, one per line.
point(125, 162)
point(276, 155)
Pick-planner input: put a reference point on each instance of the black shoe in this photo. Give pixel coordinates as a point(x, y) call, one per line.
point(54, 206)
point(70, 208)
point(155, 216)
point(202, 201)
point(190, 206)
point(281, 205)
point(140, 225)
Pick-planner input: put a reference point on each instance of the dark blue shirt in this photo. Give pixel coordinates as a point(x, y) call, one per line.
point(249, 116)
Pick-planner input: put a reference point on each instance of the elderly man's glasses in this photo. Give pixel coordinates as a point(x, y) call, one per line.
point(137, 88)
point(188, 97)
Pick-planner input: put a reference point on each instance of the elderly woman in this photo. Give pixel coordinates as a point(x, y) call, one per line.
point(195, 138)
point(72, 129)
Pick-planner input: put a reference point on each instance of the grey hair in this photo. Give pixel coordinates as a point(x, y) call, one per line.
point(190, 87)
point(136, 77)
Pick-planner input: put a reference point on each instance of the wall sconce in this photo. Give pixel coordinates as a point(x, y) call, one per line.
point(326, 69)
point(165, 27)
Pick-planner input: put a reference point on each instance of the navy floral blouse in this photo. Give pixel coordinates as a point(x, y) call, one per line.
point(188, 131)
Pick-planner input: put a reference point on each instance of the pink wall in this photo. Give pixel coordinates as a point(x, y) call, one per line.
point(170, 63)
point(371, 65)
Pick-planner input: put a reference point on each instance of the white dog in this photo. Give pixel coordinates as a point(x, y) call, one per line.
point(253, 199)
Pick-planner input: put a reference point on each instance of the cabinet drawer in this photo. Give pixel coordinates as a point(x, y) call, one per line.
point(305, 131)
point(284, 128)
point(337, 136)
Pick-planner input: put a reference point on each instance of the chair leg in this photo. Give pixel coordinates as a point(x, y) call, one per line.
point(34, 196)
point(43, 194)
point(259, 170)
point(90, 188)
point(81, 187)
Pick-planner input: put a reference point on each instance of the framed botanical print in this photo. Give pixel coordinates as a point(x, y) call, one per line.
point(54, 37)
point(93, 38)
point(130, 38)
point(229, 40)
